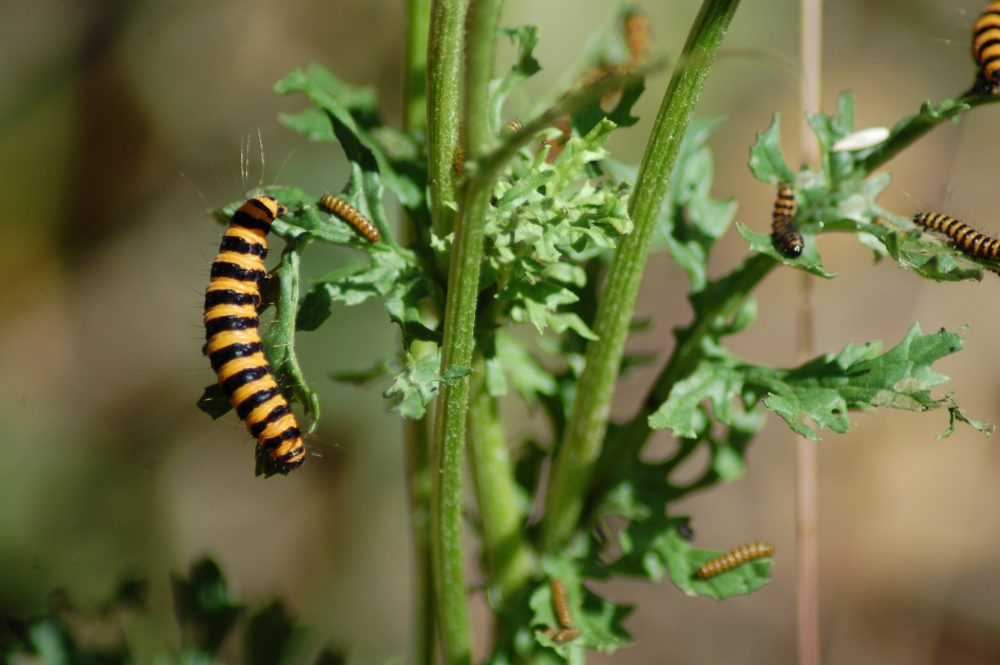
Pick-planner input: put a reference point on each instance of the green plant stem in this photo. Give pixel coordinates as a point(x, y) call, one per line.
point(509, 561)
point(419, 494)
point(913, 127)
point(457, 346)
point(581, 444)
point(444, 105)
point(415, 74)
point(415, 432)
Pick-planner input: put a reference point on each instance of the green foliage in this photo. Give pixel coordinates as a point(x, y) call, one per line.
point(557, 211)
point(206, 613)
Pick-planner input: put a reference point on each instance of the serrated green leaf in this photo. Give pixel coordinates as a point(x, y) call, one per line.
point(312, 123)
point(824, 389)
point(352, 113)
point(691, 220)
point(683, 562)
point(524, 38)
point(767, 162)
point(414, 388)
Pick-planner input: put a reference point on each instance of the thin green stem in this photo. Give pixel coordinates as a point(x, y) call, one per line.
point(581, 444)
point(501, 516)
point(457, 346)
point(415, 74)
point(444, 106)
point(419, 491)
point(415, 432)
point(913, 127)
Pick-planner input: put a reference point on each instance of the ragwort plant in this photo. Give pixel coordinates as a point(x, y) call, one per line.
point(513, 274)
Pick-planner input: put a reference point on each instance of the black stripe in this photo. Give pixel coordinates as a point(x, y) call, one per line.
point(992, 41)
point(288, 462)
point(276, 412)
point(986, 62)
point(256, 202)
point(231, 270)
point(222, 323)
point(244, 377)
point(275, 441)
point(244, 408)
point(225, 354)
point(241, 246)
point(230, 297)
point(248, 221)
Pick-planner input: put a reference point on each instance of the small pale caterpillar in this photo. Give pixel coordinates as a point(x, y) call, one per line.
point(352, 216)
point(734, 558)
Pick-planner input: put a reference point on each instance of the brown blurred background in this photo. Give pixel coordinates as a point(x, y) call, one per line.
point(121, 123)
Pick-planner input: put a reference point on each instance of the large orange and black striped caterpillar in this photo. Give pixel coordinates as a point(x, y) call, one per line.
point(967, 240)
point(986, 49)
point(734, 558)
point(352, 216)
point(783, 232)
point(234, 345)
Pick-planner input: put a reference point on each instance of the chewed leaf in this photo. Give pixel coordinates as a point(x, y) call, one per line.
point(859, 379)
point(808, 261)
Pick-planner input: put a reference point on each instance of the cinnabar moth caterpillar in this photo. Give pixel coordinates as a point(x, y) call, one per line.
point(352, 216)
point(638, 35)
point(783, 232)
point(986, 48)
point(560, 603)
point(967, 240)
point(734, 558)
point(234, 345)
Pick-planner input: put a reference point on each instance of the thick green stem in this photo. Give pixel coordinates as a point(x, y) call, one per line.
point(457, 346)
point(509, 561)
point(444, 106)
point(581, 445)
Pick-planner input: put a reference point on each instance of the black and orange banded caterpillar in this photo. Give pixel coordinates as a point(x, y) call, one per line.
point(352, 216)
point(967, 240)
point(986, 49)
point(734, 558)
point(783, 232)
point(233, 341)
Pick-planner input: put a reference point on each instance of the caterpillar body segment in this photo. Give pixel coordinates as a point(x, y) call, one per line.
point(734, 558)
point(986, 49)
point(785, 236)
point(232, 333)
point(352, 216)
point(967, 240)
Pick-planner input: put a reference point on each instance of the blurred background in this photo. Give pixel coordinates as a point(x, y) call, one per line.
point(121, 124)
